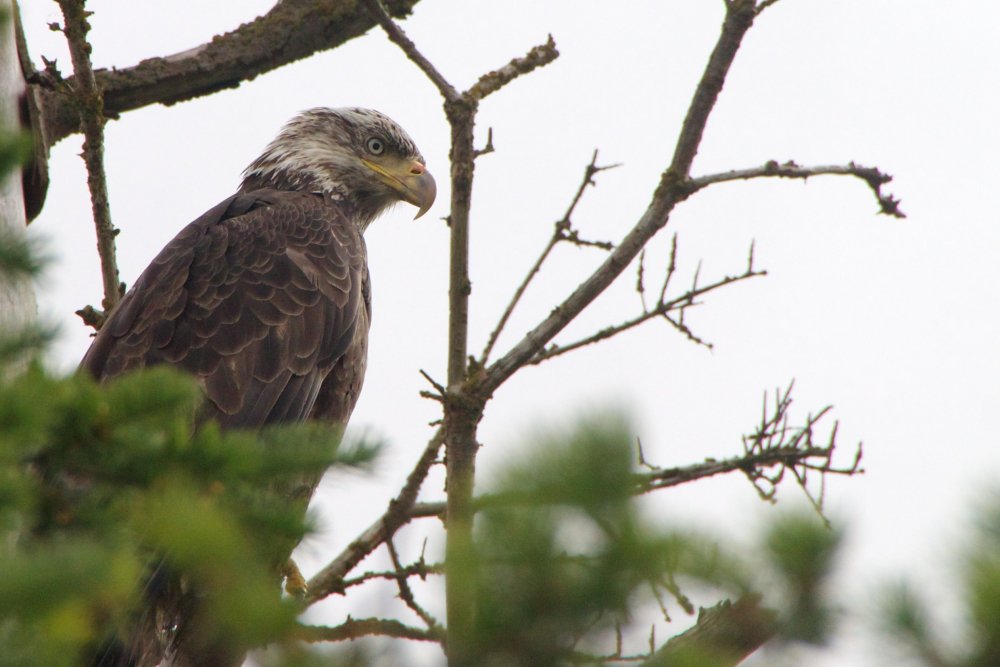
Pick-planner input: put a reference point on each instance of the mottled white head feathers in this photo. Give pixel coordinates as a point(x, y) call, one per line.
point(360, 157)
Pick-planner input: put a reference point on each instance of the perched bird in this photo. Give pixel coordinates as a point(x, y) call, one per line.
point(266, 298)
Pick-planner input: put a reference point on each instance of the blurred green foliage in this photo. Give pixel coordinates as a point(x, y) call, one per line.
point(914, 624)
point(103, 488)
point(570, 554)
point(102, 485)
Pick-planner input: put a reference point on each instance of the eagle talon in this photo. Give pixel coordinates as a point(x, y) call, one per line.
point(295, 583)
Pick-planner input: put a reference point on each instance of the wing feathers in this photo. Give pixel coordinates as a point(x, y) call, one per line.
point(260, 298)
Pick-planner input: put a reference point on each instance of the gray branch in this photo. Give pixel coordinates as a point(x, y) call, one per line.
point(290, 31)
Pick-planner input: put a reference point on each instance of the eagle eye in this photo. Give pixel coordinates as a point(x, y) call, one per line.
point(376, 146)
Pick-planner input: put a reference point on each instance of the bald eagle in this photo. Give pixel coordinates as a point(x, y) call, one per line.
point(266, 298)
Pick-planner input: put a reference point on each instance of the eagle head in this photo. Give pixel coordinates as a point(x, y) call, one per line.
point(360, 157)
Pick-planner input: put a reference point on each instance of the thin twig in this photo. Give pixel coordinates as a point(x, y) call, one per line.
point(90, 103)
point(799, 453)
point(558, 234)
point(538, 56)
point(764, 4)
point(661, 309)
point(439, 391)
point(640, 285)
point(779, 456)
point(739, 18)
point(330, 579)
point(399, 38)
point(419, 569)
point(355, 628)
point(888, 204)
point(406, 593)
point(773, 434)
point(671, 269)
point(488, 148)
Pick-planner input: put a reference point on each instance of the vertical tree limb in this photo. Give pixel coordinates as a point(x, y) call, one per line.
point(461, 418)
point(91, 107)
point(463, 406)
point(17, 297)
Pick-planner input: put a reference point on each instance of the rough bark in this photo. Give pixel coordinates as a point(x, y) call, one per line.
point(292, 30)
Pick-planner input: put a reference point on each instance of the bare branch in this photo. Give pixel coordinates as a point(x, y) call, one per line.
point(748, 463)
point(419, 569)
point(461, 412)
point(764, 4)
point(355, 628)
point(776, 446)
point(661, 309)
point(439, 391)
point(90, 105)
point(558, 234)
point(640, 285)
point(292, 30)
point(538, 56)
point(670, 191)
point(774, 435)
point(488, 148)
point(330, 579)
point(888, 205)
point(740, 15)
point(399, 38)
point(671, 269)
point(406, 593)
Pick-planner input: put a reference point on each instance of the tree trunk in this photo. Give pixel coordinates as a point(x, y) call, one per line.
point(17, 296)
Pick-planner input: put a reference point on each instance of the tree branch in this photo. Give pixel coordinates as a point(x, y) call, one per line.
point(292, 30)
point(794, 451)
point(774, 434)
point(764, 4)
point(406, 593)
point(662, 309)
point(419, 569)
point(563, 227)
point(355, 628)
point(330, 579)
point(491, 82)
point(888, 205)
point(462, 409)
point(396, 35)
point(89, 103)
point(739, 18)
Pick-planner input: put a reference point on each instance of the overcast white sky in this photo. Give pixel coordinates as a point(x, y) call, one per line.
point(893, 322)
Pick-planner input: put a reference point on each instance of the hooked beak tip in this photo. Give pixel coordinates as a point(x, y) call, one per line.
point(424, 190)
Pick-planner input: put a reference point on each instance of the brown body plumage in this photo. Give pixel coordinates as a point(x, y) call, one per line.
point(260, 298)
point(266, 299)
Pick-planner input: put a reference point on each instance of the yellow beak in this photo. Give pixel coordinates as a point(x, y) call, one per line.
point(409, 179)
